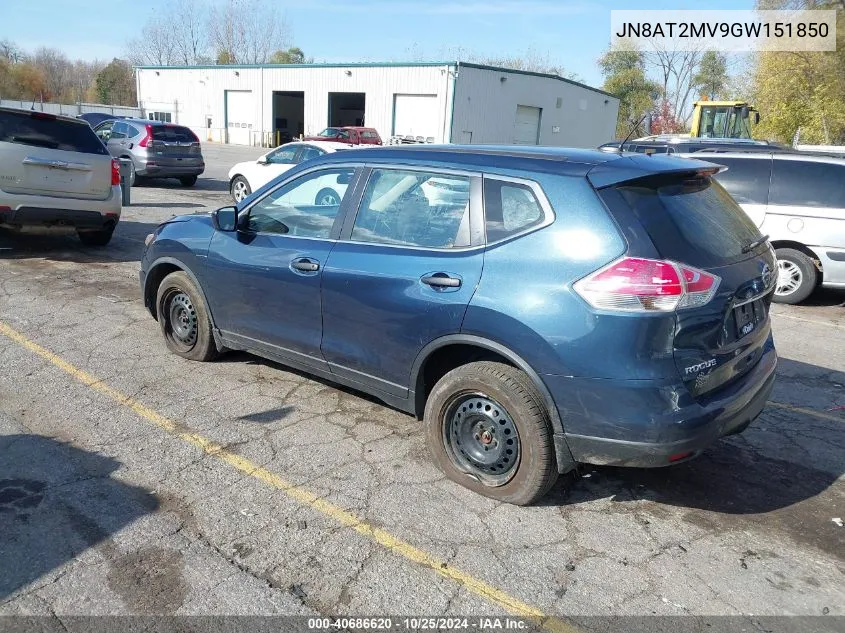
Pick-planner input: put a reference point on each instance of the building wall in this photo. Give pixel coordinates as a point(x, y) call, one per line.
point(572, 115)
point(193, 95)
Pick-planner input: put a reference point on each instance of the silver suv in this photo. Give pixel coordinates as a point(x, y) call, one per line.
point(157, 149)
point(56, 174)
point(798, 200)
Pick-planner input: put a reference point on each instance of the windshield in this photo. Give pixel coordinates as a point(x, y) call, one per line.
point(329, 131)
point(723, 122)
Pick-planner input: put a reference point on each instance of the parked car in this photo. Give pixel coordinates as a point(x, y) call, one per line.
point(348, 135)
point(675, 145)
point(572, 306)
point(156, 149)
point(95, 118)
point(56, 174)
point(251, 175)
point(798, 200)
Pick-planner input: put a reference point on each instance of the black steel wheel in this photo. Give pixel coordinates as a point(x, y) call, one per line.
point(184, 318)
point(488, 429)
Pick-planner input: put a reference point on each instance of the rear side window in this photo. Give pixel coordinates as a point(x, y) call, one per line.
point(367, 134)
point(38, 130)
point(747, 179)
point(173, 134)
point(509, 208)
point(808, 184)
point(689, 219)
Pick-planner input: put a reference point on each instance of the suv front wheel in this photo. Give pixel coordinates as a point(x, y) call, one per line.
point(488, 429)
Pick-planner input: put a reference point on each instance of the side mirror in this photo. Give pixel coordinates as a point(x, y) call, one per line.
point(262, 160)
point(225, 219)
point(756, 117)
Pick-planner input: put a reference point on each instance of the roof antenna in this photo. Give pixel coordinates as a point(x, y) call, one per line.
point(618, 150)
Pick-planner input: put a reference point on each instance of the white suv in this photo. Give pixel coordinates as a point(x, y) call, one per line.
point(55, 173)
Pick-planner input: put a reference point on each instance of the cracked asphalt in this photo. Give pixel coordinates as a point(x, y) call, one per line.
point(104, 509)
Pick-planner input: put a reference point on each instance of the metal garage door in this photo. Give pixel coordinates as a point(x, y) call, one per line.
point(240, 110)
point(526, 127)
point(415, 115)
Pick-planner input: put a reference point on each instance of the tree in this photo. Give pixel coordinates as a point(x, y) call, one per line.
point(247, 31)
point(675, 71)
point(178, 35)
point(712, 75)
point(624, 72)
point(291, 56)
point(803, 90)
point(29, 82)
point(10, 52)
point(58, 71)
point(116, 84)
point(663, 121)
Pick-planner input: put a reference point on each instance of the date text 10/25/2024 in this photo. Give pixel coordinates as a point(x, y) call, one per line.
point(421, 624)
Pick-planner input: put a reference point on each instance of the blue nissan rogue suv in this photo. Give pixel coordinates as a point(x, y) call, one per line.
point(536, 307)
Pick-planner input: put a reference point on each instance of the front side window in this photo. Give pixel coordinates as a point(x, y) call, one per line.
point(509, 208)
point(305, 207)
point(329, 132)
point(414, 208)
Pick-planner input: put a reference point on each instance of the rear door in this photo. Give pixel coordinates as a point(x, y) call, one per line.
point(693, 221)
point(41, 154)
point(175, 146)
point(401, 276)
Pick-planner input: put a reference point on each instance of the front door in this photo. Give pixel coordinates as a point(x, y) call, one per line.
point(264, 280)
point(403, 274)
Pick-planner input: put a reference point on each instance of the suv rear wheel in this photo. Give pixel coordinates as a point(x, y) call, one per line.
point(488, 429)
point(184, 319)
point(797, 276)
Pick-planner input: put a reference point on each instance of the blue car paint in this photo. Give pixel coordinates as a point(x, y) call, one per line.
point(612, 380)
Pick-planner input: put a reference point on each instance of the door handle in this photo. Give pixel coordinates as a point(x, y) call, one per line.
point(441, 280)
point(305, 265)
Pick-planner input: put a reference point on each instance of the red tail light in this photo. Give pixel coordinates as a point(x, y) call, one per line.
point(634, 284)
point(148, 136)
point(115, 172)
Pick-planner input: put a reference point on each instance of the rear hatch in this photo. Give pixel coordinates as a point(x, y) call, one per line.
point(175, 142)
point(45, 155)
point(692, 221)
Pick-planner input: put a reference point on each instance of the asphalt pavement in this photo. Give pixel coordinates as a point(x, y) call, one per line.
point(135, 482)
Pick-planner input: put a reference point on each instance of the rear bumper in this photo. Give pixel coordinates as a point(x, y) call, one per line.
point(168, 168)
point(648, 424)
point(42, 211)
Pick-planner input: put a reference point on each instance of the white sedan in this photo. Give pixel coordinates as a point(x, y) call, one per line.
point(246, 177)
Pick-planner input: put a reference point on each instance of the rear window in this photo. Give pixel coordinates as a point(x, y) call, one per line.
point(173, 134)
point(689, 219)
point(38, 130)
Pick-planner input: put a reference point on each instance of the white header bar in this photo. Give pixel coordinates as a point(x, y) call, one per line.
point(724, 31)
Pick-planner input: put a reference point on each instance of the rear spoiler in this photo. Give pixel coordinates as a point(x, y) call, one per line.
point(634, 166)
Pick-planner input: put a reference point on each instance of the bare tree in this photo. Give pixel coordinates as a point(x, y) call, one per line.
point(58, 70)
point(247, 31)
point(675, 71)
point(190, 35)
point(11, 52)
point(155, 47)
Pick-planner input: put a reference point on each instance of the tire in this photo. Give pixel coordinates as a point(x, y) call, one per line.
point(95, 238)
point(512, 417)
point(797, 276)
point(327, 197)
point(239, 188)
point(179, 298)
point(188, 181)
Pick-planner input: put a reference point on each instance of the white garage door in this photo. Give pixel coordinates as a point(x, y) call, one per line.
point(526, 127)
point(415, 115)
point(239, 116)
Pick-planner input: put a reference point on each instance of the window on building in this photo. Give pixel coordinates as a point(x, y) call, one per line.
point(159, 116)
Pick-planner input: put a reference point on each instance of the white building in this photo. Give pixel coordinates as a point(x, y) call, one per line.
point(447, 102)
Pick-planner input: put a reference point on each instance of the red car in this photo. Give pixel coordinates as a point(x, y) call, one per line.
point(350, 135)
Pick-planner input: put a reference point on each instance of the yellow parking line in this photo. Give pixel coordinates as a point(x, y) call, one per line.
point(810, 412)
point(302, 495)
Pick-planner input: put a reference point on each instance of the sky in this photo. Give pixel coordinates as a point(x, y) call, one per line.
point(570, 33)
